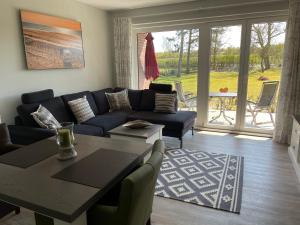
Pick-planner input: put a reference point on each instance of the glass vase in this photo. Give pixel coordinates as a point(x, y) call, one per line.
point(65, 141)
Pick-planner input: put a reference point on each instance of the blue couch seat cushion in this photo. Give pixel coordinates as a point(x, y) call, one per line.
point(88, 130)
point(109, 120)
point(176, 121)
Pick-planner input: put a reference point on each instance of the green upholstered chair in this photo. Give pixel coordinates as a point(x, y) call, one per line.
point(136, 196)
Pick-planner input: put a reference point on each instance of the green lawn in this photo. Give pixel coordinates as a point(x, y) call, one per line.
point(224, 79)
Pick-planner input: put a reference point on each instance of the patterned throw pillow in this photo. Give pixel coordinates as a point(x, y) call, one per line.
point(81, 109)
point(165, 103)
point(45, 119)
point(118, 100)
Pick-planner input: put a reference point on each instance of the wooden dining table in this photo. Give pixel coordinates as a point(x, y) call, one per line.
point(62, 191)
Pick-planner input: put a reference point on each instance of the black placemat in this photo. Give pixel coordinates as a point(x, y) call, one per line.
point(31, 154)
point(100, 169)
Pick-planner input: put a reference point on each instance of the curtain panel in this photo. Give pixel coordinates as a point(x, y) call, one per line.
point(122, 45)
point(289, 93)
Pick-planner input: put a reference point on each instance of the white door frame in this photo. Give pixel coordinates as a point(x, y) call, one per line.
point(204, 64)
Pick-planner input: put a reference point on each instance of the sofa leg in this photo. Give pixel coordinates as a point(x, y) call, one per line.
point(193, 131)
point(149, 222)
point(17, 211)
point(181, 142)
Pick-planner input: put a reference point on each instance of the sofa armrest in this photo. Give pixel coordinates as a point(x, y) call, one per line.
point(24, 135)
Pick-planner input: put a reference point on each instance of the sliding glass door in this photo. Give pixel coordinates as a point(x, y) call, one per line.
point(265, 62)
point(228, 72)
point(177, 57)
point(224, 75)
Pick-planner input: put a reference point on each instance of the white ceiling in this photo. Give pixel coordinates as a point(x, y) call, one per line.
point(128, 4)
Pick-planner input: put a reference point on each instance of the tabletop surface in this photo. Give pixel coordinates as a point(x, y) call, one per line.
point(223, 94)
point(35, 189)
point(139, 133)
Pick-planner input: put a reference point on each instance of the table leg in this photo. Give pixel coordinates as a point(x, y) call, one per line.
point(222, 112)
point(44, 220)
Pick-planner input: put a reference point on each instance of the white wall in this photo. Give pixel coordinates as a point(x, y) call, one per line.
point(15, 79)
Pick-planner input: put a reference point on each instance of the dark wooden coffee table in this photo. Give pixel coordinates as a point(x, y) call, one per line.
point(64, 201)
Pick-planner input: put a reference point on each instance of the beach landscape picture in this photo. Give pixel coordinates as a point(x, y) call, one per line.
point(51, 42)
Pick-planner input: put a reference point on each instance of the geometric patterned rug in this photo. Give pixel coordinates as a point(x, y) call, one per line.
point(207, 179)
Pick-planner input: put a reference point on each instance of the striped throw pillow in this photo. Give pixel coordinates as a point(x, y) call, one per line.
point(165, 103)
point(45, 119)
point(118, 101)
point(81, 109)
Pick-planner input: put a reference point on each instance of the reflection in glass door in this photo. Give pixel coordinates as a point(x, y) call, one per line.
point(223, 76)
point(265, 61)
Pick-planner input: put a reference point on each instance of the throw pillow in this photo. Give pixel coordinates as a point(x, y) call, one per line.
point(81, 109)
point(44, 118)
point(165, 103)
point(118, 100)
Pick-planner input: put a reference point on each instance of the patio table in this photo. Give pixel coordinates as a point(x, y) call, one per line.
point(222, 97)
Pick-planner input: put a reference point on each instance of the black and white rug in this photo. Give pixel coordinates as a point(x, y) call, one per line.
point(202, 178)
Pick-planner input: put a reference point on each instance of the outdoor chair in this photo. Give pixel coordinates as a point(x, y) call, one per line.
point(187, 99)
point(265, 101)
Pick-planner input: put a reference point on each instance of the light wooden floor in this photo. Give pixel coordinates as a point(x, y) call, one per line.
point(271, 193)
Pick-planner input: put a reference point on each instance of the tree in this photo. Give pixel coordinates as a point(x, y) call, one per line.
point(262, 37)
point(216, 44)
point(179, 71)
point(192, 39)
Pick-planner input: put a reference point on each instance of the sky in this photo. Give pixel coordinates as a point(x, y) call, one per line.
point(232, 38)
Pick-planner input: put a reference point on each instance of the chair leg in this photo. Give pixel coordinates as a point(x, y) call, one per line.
point(149, 222)
point(272, 119)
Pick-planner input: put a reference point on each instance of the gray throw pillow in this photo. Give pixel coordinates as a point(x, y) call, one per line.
point(165, 103)
point(81, 109)
point(45, 119)
point(118, 101)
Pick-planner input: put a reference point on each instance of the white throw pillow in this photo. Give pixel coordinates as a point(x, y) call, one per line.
point(45, 119)
point(81, 109)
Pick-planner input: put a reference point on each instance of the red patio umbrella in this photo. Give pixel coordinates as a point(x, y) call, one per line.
point(151, 67)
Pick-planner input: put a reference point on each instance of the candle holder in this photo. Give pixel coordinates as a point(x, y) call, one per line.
point(65, 141)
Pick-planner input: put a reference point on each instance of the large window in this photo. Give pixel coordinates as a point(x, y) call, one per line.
point(229, 73)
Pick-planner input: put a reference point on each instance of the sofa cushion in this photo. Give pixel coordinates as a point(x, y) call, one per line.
point(176, 121)
point(118, 101)
point(161, 88)
point(88, 130)
point(109, 120)
point(101, 100)
point(37, 96)
point(45, 118)
point(134, 97)
point(89, 96)
point(55, 105)
point(147, 100)
point(81, 109)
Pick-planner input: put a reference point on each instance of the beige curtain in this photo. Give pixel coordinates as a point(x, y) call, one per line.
point(289, 93)
point(122, 44)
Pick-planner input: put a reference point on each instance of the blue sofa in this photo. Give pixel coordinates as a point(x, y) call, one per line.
point(27, 131)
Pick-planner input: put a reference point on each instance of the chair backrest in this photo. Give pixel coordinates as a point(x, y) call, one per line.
point(268, 94)
point(137, 192)
point(180, 94)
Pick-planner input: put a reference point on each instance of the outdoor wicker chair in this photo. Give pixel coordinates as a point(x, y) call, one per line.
point(265, 101)
point(187, 99)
